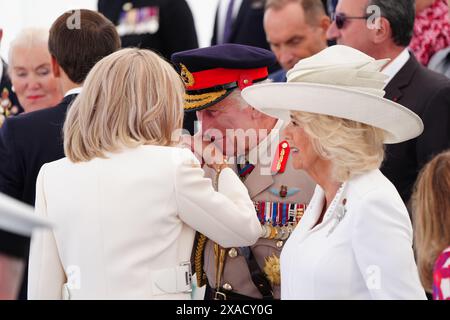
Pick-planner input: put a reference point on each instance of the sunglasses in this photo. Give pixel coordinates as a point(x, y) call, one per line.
point(341, 19)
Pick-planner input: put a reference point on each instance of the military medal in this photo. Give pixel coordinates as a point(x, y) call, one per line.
point(278, 233)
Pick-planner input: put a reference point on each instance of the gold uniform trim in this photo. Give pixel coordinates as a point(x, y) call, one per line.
point(187, 76)
point(198, 260)
point(196, 101)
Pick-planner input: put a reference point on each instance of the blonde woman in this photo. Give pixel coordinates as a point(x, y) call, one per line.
point(31, 70)
point(355, 238)
point(125, 200)
point(431, 207)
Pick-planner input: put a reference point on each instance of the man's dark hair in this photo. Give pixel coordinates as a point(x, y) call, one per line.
point(400, 14)
point(79, 39)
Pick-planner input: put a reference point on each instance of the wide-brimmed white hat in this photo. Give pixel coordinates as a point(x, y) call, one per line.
point(342, 82)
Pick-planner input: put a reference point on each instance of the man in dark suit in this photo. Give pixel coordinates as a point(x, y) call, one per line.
point(30, 140)
point(164, 26)
point(423, 91)
point(9, 105)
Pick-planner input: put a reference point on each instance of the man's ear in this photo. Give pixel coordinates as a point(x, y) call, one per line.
point(1, 34)
point(55, 67)
point(324, 25)
point(381, 30)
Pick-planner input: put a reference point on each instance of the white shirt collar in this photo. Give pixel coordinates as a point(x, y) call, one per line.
point(73, 91)
point(395, 66)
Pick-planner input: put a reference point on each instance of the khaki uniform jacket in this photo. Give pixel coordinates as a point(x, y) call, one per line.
point(261, 187)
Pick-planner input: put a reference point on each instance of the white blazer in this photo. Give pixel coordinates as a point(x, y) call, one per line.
point(361, 250)
point(125, 225)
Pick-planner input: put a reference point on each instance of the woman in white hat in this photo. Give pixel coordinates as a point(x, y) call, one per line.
point(355, 239)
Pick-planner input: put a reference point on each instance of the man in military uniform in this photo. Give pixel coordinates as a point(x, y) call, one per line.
point(214, 78)
point(9, 105)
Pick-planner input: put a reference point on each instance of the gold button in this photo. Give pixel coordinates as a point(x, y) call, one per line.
point(280, 244)
point(232, 253)
point(284, 145)
point(127, 6)
point(245, 81)
point(227, 287)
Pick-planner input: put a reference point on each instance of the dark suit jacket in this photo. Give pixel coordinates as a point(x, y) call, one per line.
point(26, 143)
point(176, 30)
point(427, 94)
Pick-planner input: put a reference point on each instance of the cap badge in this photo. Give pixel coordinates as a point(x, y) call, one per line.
point(187, 77)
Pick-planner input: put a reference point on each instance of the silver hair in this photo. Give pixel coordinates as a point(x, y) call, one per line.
point(28, 37)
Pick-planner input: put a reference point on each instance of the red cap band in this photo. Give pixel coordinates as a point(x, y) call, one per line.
point(221, 76)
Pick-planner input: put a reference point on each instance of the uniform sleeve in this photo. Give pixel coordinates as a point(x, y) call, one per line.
point(181, 35)
point(11, 177)
point(382, 244)
point(227, 217)
point(45, 273)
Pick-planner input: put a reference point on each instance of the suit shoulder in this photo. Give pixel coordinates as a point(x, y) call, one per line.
point(57, 112)
point(432, 80)
point(28, 123)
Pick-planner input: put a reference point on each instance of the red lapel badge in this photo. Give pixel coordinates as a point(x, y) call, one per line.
point(281, 157)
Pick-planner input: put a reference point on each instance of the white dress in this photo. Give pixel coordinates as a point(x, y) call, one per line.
point(361, 250)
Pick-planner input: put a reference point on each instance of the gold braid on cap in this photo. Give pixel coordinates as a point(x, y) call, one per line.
point(195, 101)
point(198, 260)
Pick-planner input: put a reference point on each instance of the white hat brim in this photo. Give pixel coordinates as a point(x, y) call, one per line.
point(19, 218)
point(278, 99)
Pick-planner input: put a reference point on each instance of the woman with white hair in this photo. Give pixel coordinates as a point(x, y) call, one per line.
point(30, 70)
point(126, 201)
point(355, 238)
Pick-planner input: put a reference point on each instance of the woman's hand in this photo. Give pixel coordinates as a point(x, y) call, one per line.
point(205, 151)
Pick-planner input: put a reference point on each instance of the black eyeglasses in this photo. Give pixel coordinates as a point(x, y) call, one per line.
point(341, 19)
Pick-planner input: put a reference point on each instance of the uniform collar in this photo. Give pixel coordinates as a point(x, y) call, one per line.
point(263, 154)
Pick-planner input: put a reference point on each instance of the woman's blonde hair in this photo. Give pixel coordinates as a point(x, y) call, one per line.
point(431, 215)
point(353, 148)
point(130, 98)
